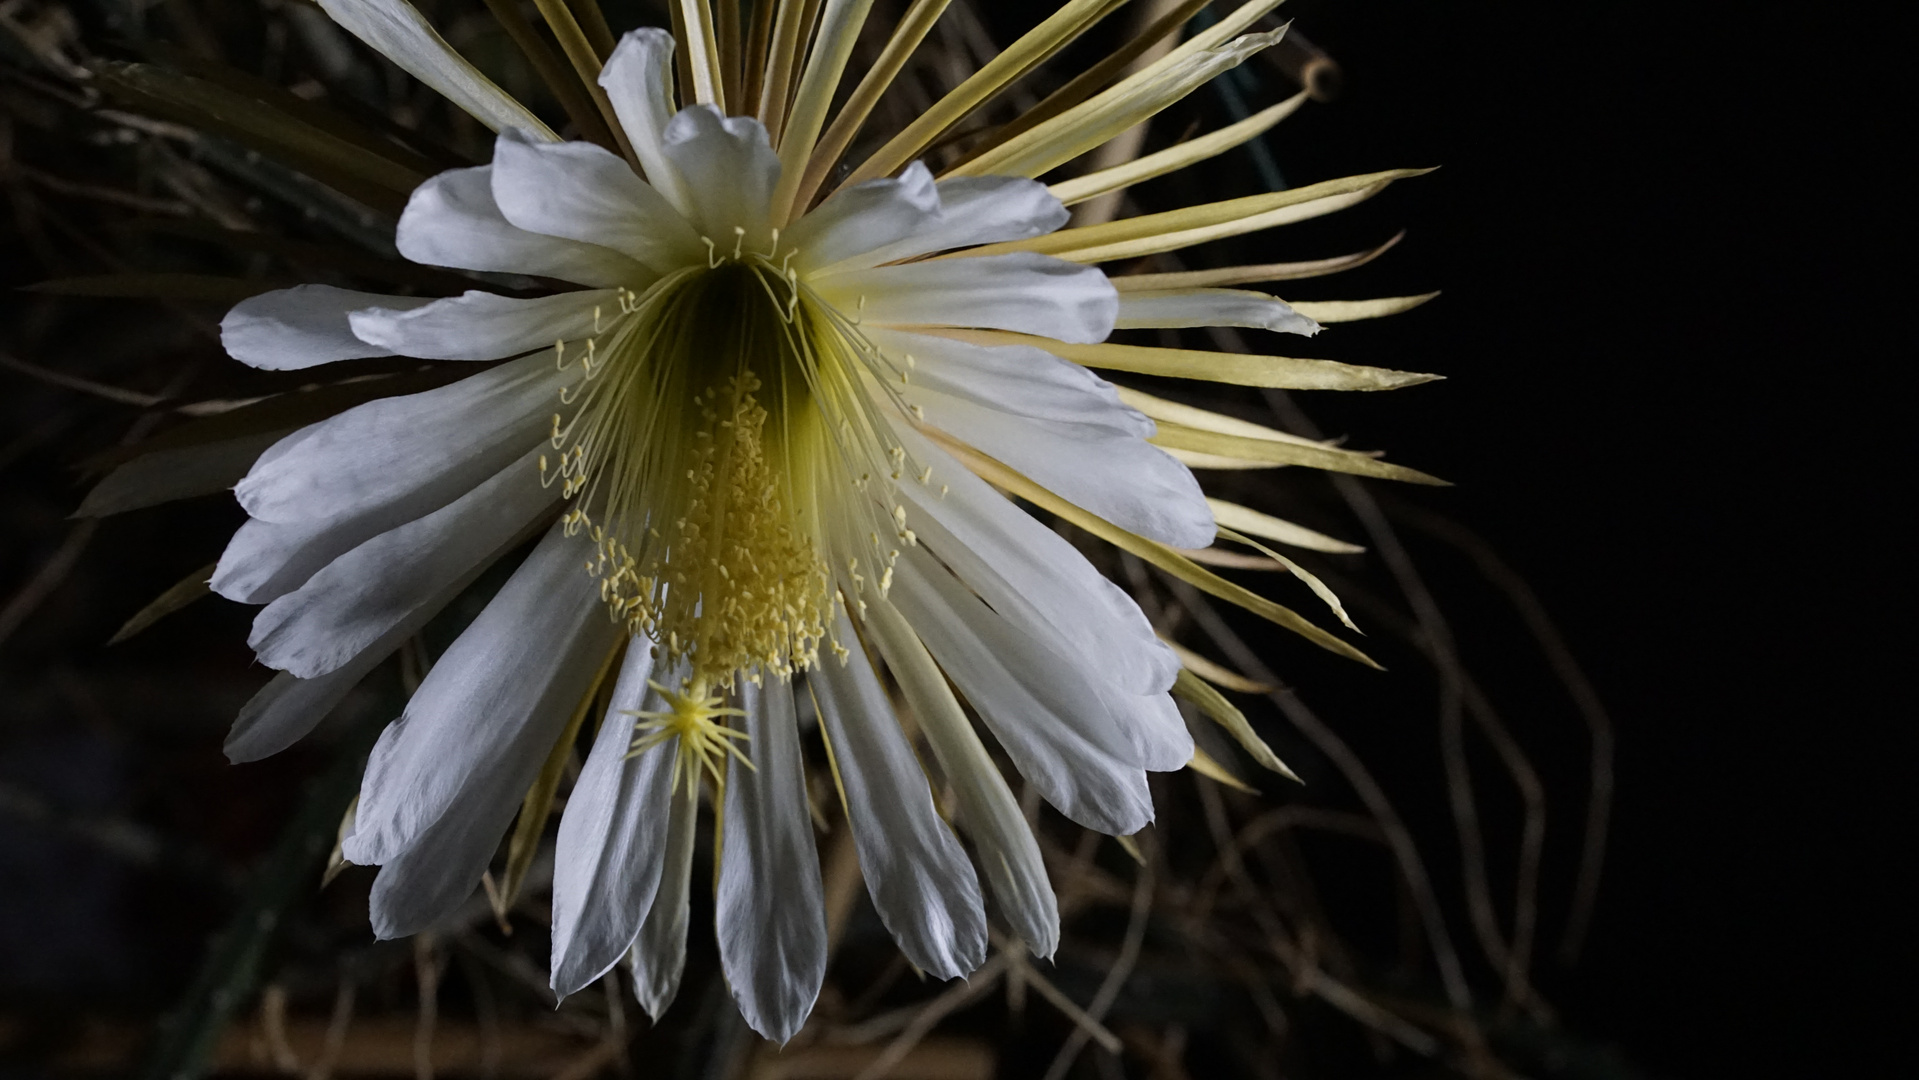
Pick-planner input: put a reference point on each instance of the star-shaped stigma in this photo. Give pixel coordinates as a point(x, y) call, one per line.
point(690, 717)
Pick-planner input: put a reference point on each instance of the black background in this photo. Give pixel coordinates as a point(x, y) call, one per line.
point(1671, 258)
point(1678, 403)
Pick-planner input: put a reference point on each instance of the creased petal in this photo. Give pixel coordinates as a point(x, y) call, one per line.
point(446, 778)
point(729, 169)
point(979, 210)
point(769, 907)
point(612, 844)
point(396, 30)
point(658, 956)
point(288, 708)
point(452, 220)
point(361, 596)
point(991, 816)
point(1016, 379)
point(916, 872)
point(1049, 720)
point(324, 490)
point(638, 79)
point(304, 326)
point(1032, 576)
point(481, 326)
point(863, 218)
point(1211, 307)
point(1033, 294)
point(1121, 477)
point(586, 193)
point(180, 472)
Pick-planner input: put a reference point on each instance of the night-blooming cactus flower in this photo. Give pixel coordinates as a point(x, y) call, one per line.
point(761, 433)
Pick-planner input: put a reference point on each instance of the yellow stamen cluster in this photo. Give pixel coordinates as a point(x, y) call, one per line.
point(722, 453)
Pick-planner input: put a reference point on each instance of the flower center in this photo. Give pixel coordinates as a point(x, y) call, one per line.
point(721, 453)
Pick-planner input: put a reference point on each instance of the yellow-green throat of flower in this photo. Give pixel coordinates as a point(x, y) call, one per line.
point(722, 450)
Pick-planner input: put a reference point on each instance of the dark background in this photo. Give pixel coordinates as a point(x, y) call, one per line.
point(1678, 403)
point(1667, 240)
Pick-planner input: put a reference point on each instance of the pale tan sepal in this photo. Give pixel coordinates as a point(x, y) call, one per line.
point(1050, 36)
point(1216, 673)
point(702, 44)
point(179, 595)
point(336, 860)
point(912, 29)
point(1337, 311)
point(1131, 102)
point(1247, 520)
point(1205, 766)
point(839, 29)
point(587, 64)
point(1346, 461)
point(1241, 369)
point(1152, 551)
point(1247, 275)
point(1207, 420)
point(1150, 234)
point(1193, 459)
point(1174, 158)
point(1320, 589)
point(1227, 715)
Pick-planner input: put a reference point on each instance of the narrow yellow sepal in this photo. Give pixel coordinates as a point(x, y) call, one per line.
point(1338, 311)
point(1213, 770)
point(1232, 515)
point(1172, 229)
point(1247, 275)
point(1175, 158)
point(1210, 701)
point(1240, 369)
point(1216, 673)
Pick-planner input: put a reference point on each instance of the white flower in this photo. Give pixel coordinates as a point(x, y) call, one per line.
point(755, 445)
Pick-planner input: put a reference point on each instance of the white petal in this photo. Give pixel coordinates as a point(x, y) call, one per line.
point(452, 220)
point(1121, 477)
point(303, 326)
point(863, 218)
point(360, 597)
point(584, 192)
point(1161, 742)
point(1031, 575)
point(387, 449)
point(481, 326)
point(326, 489)
point(1048, 718)
point(612, 843)
point(397, 31)
point(769, 909)
point(991, 816)
point(980, 210)
point(1033, 294)
point(729, 169)
point(658, 956)
point(484, 719)
point(1212, 307)
point(1016, 379)
point(638, 79)
point(916, 872)
point(179, 472)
